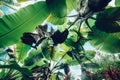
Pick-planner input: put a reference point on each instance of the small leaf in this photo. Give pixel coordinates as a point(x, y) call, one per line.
point(108, 20)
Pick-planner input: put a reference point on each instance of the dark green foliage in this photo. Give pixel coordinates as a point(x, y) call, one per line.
point(105, 41)
point(32, 59)
point(70, 53)
point(97, 5)
point(58, 7)
point(59, 37)
point(66, 68)
point(108, 20)
point(9, 50)
point(14, 65)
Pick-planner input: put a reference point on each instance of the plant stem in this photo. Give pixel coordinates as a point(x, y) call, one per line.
point(86, 21)
point(72, 15)
point(80, 25)
point(9, 6)
point(73, 22)
point(58, 62)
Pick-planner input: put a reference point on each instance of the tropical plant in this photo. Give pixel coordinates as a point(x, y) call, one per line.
point(33, 48)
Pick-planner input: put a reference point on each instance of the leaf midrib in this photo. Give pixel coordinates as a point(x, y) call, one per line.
point(3, 35)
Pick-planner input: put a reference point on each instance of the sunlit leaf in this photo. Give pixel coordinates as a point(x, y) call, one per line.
point(22, 0)
point(117, 3)
point(21, 51)
point(58, 10)
point(55, 20)
point(71, 5)
point(34, 56)
point(72, 62)
point(58, 7)
point(105, 41)
point(26, 19)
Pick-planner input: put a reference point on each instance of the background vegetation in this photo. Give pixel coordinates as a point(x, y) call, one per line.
point(43, 40)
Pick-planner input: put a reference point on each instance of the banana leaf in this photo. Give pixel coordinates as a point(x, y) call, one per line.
point(105, 42)
point(21, 51)
point(25, 20)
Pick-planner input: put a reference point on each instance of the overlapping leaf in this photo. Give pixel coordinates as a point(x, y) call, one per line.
point(105, 41)
point(108, 20)
point(58, 7)
point(26, 19)
point(58, 10)
point(21, 51)
point(15, 66)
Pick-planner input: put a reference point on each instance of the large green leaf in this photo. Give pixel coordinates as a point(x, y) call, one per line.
point(71, 5)
point(108, 20)
point(58, 10)
point(21, 51)
point(26, 19)
point(56, 20)
point(117, 3)
point(57, 7)
point(103, 41)
point(34, 56)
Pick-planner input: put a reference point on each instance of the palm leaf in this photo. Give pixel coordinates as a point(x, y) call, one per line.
point(25, 20)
